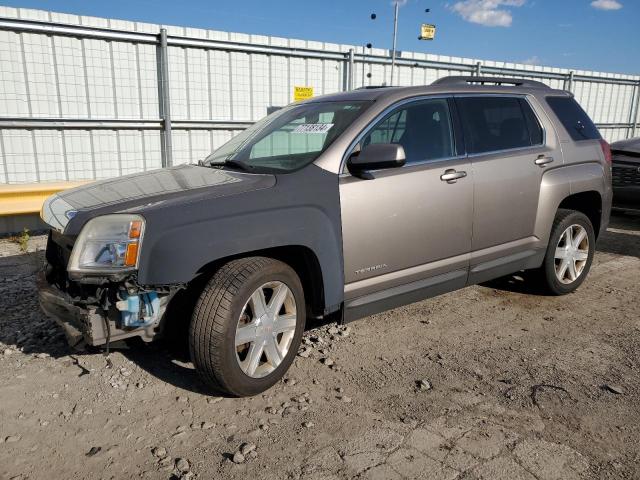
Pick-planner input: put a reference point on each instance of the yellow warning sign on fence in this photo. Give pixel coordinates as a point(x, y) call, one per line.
point(302, 93)
point(427, 32)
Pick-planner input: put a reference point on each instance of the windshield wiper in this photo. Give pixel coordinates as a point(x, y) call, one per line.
point(230, 163)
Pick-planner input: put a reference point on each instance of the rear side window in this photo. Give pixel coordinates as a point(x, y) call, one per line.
point(498, 123)
point(574, 119)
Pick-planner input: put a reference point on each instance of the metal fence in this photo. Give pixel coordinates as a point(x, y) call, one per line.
point(87, 98)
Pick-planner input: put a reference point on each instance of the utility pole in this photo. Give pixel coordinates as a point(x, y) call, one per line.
point(395, 34)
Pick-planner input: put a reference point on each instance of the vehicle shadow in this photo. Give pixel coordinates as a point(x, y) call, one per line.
point(525, 282)
point(621, 238)
point(169, 358)
point(167, 363)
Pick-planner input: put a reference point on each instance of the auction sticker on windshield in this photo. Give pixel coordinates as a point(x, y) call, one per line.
point(313, 128)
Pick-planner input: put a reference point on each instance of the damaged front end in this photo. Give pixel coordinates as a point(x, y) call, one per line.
point(96, 309)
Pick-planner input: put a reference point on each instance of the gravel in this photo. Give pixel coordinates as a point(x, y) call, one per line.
point(182, 465)
point(159, 452)
point(238, 457)
point(614, 389)
point(423, 385)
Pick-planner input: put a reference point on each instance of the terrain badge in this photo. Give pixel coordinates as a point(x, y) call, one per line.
point(371, 269)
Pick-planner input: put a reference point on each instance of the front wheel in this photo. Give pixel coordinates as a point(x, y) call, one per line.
point(569, 253)
point(247, 325)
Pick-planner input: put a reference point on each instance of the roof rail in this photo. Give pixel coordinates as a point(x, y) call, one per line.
point(469, 80)
point(372, 87)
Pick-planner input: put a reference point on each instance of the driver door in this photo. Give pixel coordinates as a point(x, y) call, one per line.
point(407, 230)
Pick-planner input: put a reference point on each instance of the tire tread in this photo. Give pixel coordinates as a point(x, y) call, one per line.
point(546, 272)
point(212, 314)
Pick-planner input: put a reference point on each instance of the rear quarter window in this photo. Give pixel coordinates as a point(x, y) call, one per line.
point(573, 118)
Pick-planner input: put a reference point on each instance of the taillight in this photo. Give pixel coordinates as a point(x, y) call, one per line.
point(606, 149)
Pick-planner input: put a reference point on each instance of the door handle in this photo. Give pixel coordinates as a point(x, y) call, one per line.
point(451, 176)
point(542, 160)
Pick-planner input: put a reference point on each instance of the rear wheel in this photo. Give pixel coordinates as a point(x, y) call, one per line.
point(569, 253)
point(247, 325)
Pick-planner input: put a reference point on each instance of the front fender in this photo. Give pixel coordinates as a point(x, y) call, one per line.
point(302, 210)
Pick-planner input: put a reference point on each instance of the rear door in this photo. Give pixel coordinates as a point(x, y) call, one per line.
point(509, 153)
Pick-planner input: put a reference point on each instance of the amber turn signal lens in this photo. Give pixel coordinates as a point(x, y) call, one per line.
point(135, 229)
point(131, 255)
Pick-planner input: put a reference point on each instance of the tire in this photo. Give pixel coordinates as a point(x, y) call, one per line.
point(244, 293)
point(551, 270)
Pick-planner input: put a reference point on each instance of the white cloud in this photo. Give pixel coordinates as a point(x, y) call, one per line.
point(490, 13)
point(534, 60)
point(606, 4)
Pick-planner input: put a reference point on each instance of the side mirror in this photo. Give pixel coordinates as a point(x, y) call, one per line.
point(375, 157)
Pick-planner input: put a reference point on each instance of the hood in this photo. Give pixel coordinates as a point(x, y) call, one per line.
point(134, 192)
point(631, 145)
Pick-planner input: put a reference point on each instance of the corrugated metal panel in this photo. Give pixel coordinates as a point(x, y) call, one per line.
point(19, 156)
point(13, 101)
point(100, 87)
point(49, 150)
point(105, 153)
point(101, 75)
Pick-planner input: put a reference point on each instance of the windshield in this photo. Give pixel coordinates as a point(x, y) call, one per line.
point(288, 139)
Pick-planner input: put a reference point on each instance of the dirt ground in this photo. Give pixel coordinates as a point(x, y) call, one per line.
point(492, 382)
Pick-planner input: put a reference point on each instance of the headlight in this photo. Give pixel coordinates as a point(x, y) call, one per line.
point(106, 244)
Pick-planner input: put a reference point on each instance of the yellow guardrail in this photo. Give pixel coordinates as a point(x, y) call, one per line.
point(27, 198)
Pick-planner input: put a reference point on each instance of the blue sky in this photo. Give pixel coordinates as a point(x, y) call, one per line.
point(583, 34)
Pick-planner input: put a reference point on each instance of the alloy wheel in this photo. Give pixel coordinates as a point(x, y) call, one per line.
point(265, 329)
point(572, 253)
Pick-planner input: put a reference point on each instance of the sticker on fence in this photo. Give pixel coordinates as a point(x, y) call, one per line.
point(313, 128)
point(302, 93)
point(427, 32)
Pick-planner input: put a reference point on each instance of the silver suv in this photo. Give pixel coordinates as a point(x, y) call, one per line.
point(344, 205)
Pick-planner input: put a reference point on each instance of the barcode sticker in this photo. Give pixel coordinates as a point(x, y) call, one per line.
point(313, 128)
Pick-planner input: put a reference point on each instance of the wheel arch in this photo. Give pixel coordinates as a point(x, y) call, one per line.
point(300, 258)
point(578, 187)
point(589, 203)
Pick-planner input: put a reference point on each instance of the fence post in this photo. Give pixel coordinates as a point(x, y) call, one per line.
point(633, 116)
point(478, 69)
point(164, 100)
point(568, 82)
point(351, 72)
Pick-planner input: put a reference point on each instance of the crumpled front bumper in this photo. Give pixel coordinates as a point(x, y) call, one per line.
point(82, 326)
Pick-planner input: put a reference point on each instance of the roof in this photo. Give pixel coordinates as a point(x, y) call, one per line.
point(445, 85)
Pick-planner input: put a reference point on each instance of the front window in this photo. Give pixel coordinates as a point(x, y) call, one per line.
point(288, 139)
point(423, 128)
